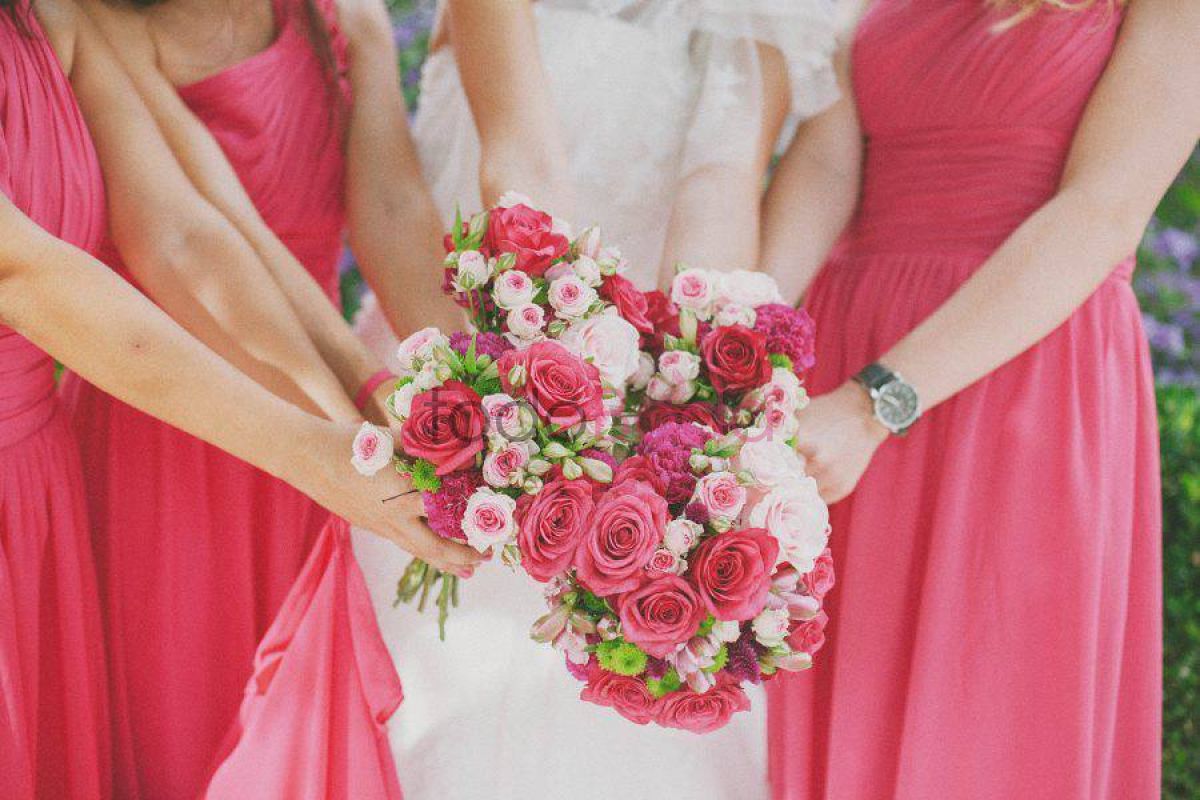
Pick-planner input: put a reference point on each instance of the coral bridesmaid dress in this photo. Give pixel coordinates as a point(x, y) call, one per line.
point(996, 628)
point(53, 715)
point(197, 550)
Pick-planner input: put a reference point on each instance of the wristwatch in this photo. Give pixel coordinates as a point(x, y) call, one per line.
point(897, 406)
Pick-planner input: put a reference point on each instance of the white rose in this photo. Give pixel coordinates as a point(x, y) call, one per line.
point(402, 399)
point(798, 518)
point(473, 270)
point(726, 631)
point(679, 366)
point(695, 289)
point(609, 343)
point(489, 519)
point(513, 289)
point(735, 314)
point(769, 459)
point(587, 270)
point(771, 626)
point(645, 371)
point(570, 297)
point(681, 536)
point(372, 449)
point(526, 321)
point(683, 392)
point(418, 347)
point(658, 389)
point(749, 288)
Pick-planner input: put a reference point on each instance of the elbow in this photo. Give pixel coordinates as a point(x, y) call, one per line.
point(1121, 216)
point(173, 255)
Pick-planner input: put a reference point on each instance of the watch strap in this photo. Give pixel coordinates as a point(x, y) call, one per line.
point(875, 376)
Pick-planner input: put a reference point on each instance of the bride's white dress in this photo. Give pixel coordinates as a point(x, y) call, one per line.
point(647, 90)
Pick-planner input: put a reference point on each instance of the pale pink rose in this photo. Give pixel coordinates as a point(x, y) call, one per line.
point(473, 270)
point(402, 399)
point(645, 371)
point(570, 297)
point(769, 459)
point(683, 392)
point(679, 366)
point(658, 389)
point(666, 563)
point(735, 314)
point(589, 242)
point(587, 270)
point(526, 322)
point(780, 419)
point(694, 289)
point(514, 288)
point(798, 518)
point(771, 626)
point(720, 494)
point(727, 631)
point(784, 389)
point(609, 343)
point(489, 519)
point(503, 466)
point(681, 536)
point(373, 449)
point(747, 288)
point(509, 419)
point(418, 347)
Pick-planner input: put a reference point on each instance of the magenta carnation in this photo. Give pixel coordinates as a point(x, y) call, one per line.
point(669, 450)
point(486, 344)
point(789, 331)
point(444, 509)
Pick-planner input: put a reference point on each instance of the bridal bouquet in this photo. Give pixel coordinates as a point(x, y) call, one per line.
point(703, 564)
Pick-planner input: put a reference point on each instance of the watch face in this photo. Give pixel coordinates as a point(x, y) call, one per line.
point(897, 406)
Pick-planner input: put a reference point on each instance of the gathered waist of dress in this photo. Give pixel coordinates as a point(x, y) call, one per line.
point(954, 191)
point(27, 398)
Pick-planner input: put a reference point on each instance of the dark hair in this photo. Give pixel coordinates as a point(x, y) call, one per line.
point(18, 10)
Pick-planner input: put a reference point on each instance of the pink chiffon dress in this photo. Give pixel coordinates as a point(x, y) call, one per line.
point(197, 551)
point(53, 711)
point(995, 632)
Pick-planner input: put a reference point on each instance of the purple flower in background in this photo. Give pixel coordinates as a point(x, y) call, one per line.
point(1165, 337)
point(1181, 247)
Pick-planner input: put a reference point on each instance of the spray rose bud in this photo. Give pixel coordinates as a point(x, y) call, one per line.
point(645, 371)
point(658, 389)
point(588, 243)
point(549, 626)
point(771, 626)
point(587, 270)
point(683, 392)
point(571, 469)
point(532, 485)
point(473, 270)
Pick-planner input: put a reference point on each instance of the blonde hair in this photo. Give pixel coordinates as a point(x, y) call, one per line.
point(1024, 9)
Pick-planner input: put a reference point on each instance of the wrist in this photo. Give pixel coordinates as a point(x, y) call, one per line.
point(859, 399)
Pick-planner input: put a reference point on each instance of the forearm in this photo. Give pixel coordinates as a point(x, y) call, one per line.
point(807, 206)
point(1048, 268)
point(714, 221)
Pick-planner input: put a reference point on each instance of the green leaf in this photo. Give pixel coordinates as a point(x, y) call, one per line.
point(782, 361)
point(424, 476)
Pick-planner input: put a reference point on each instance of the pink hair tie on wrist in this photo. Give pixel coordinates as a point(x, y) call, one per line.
point(369, 386)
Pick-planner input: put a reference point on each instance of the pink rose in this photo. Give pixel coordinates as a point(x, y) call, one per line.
point(527, 234)
point(513, 289)
point(702, 713)
point(679, 366)
point(552, 524)
point(661, 614)
point(624, 533)
point(629, 696)
point(694, 289)
point(809, 636)
point(819, 580)
point(501, 466)
point(570, 297)
point(445, 427)
point(488, 521)
point(664, 562)
point(732, 572)
point(562, 388)
point(630, 302)
point(372, 449)
point(720, 494)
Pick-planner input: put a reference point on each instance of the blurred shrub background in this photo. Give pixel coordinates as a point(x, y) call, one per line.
point(1168, 284)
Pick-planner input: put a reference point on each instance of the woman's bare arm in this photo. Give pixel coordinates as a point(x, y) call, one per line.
point(183, 251)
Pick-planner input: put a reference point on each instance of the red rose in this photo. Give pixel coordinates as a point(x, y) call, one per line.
point(551, 525)
point(560, 386)
point(661, 614)
point(736, 358)
point(629, 300)
point(445, 427)
point(638, 468)
point(809, 636)
point(819, 580)
point(701, 713)
point(657, 414)
point(629, 696)
point(664, 318)
point(526, 233)
point(732, 572)
point(625, 531)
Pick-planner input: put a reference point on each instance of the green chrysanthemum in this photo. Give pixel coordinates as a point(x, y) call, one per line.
point(782, 361)
point(706, 626)
point(424, 476)
point(668, 683)
point(621, 657)
point(719, 662)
